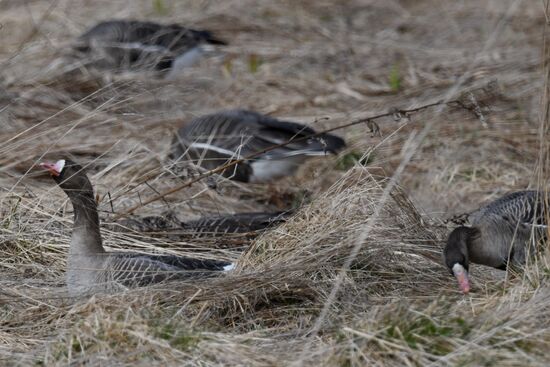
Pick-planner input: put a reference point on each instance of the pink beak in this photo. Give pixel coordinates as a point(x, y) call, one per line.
point(54, 168)
point(461, 276)
point(463, 283)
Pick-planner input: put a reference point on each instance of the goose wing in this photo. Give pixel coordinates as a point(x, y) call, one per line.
point(523, 207)
point(141, 269)
point(236, 223)
point(147, 36)
point(202, 266)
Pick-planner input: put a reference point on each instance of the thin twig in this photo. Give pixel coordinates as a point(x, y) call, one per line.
point(111, 201)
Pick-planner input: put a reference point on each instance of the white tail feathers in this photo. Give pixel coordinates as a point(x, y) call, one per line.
point(229, 267)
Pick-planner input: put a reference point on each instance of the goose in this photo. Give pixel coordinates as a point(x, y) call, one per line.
point(236, 223)
point(91, 268)
point(134, 44)
point(215, 139)
point(211, 225)
point(500, 234)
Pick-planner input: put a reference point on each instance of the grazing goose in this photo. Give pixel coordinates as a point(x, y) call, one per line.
point(213, 140)
point(500, 234)
point(133, 44)
point(90, 267)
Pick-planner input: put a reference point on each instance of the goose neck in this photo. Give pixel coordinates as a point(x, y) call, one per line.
point(86, 236)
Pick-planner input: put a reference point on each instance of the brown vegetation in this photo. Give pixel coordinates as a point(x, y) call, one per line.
point(355, 277)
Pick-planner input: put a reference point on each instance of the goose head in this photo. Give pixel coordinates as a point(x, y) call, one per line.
point(71, 177)
point(456, 255)
point(332, 143)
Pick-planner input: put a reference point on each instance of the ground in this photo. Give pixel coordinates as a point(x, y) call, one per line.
point(296, 295)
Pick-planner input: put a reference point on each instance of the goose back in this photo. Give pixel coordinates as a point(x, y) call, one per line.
point(212, 225)
point(509, 228)
point(213, 140)
point(523, 207)
point(235, 223)
point(132, 43)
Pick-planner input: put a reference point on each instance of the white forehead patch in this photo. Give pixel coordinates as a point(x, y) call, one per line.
point(59, 165)
point(458, 269)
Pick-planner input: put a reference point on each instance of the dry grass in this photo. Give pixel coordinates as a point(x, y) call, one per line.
point(296, 296)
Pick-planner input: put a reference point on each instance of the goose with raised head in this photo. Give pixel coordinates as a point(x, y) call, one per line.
point(213, 140)
point(133, 44)
point(503, 232)
point(91, 268)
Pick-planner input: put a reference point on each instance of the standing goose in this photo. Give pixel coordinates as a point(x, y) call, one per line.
point(133, 44)
point(213, 140)
point(90, 267)
point(500, 234)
